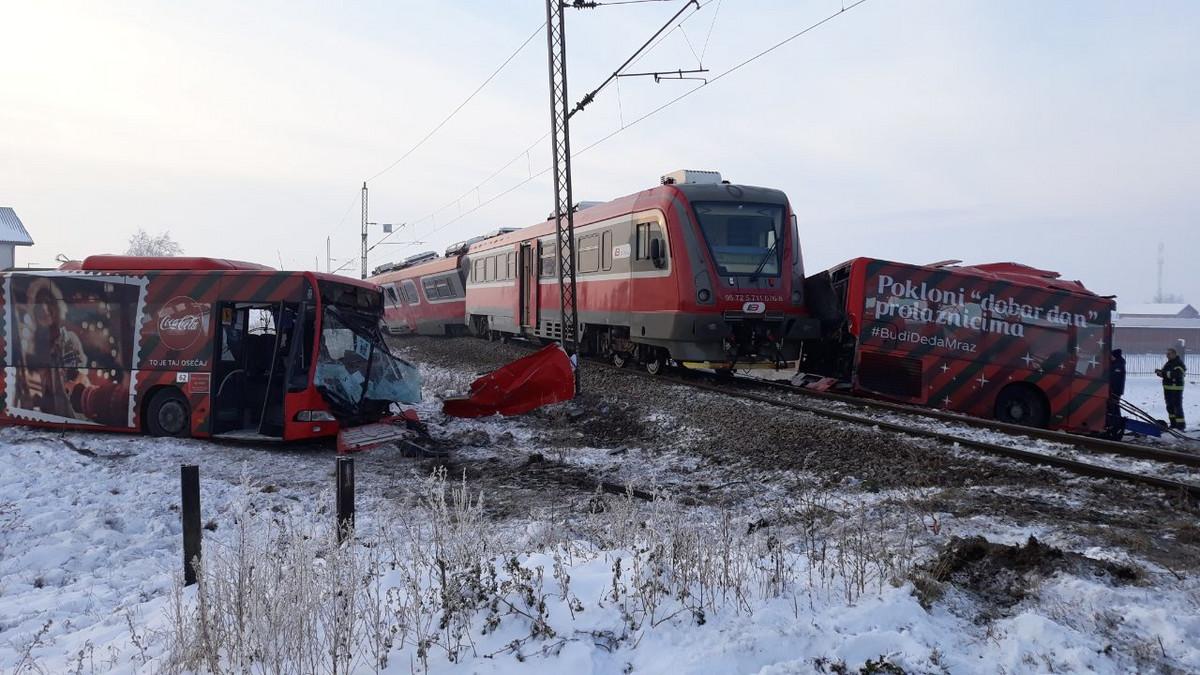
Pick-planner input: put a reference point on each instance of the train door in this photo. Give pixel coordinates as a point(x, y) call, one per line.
point(528, 273)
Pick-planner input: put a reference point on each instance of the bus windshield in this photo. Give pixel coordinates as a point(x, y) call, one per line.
point(744, 239)
point(355, 371)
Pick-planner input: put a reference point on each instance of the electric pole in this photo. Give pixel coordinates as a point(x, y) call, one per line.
point(364, 230)
point(560, 148)
point(328, 255)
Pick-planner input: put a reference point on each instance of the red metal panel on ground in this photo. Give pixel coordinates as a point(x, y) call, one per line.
point(525, 384)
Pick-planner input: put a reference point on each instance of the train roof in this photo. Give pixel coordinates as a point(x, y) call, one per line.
point(434, 266)
point(659, 197)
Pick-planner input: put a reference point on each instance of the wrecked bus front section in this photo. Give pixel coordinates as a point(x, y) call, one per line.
point(356, 373)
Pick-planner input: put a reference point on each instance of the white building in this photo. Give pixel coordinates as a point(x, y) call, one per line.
point(12, 235)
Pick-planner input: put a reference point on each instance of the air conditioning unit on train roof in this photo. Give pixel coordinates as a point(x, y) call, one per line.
point(692, 177)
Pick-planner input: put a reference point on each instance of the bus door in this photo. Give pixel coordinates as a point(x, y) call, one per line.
point(528, 291)
point(254, 346)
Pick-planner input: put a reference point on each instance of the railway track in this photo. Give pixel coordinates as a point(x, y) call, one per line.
point(1028, 456)
point(740, 387)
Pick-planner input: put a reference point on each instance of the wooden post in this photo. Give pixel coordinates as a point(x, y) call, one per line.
point(345, 497)
point(189, 479)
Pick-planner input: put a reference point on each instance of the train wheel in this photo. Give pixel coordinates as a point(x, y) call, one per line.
point(724, 373)
point(1022, 404)
point(656, 362)
point(618, 359)
point(168, 414)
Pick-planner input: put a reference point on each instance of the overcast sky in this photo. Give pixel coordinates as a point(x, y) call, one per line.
point(1064, 135)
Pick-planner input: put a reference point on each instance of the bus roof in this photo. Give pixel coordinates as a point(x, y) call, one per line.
point(132, 263)
point(128, 263)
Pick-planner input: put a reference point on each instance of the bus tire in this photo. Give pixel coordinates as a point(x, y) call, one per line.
point(168, 414)
point(1022, 404)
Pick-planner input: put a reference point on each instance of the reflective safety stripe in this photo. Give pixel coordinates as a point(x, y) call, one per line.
point(1172, 387)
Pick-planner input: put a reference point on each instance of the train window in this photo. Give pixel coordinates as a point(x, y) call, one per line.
point(547, 267)
point(512, 266)
point(477, 273)
point(491, 268)
point(643, 241)
point(393, 299)
point(606, 250)
point(430, 289)
point(409, 290)
point(589, 253)
point(444, 290)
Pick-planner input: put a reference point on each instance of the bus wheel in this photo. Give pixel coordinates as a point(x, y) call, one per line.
point(1022, 404)
point(168, 414)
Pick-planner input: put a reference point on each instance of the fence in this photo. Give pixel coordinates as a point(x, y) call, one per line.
point(1144, 364)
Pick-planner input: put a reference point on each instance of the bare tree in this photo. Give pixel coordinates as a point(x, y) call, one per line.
point(143, 243)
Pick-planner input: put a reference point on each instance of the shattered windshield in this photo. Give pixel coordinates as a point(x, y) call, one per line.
point(744, 238)
point(356, 373)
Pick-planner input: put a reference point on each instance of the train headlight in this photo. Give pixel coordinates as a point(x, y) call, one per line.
point(795, 297)
point(703, 295)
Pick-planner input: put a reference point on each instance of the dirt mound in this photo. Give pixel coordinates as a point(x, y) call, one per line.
point(1001, 575)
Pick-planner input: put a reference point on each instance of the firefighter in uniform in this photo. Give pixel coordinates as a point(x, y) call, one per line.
point(1172, 376)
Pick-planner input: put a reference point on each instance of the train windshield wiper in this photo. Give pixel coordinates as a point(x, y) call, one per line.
point(766, 256)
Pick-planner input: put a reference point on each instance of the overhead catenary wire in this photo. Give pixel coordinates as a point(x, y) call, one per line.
point(637, 120)
point(462, 105)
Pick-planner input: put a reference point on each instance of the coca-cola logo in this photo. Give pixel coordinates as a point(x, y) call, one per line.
point(182, 322)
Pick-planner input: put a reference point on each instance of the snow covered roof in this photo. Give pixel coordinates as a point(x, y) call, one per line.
point(1155, 322)
point(1162, 309)
point(12, 230)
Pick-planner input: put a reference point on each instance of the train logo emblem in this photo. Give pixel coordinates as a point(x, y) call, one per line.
point(182, 322)
point(754, 307)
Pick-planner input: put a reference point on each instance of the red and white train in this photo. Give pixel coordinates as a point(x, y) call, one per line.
point(695, 270)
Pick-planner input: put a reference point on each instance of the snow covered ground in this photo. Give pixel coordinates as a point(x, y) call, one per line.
point(1145, 391)
point(819, 581)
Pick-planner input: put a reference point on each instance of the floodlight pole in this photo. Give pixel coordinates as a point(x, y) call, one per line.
point(560, 146)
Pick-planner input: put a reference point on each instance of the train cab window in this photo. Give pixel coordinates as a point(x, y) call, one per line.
point(408, 290)
point(606, 250)
point(392, 298)
point(643, 241)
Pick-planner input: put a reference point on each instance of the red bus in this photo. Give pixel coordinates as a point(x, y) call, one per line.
point(1001, 340)
point(195, 347)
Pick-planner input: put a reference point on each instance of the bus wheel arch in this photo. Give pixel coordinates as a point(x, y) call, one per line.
point(1022, 403)
point(167, 412)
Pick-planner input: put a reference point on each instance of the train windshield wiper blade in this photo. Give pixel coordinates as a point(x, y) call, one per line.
point(766, 256)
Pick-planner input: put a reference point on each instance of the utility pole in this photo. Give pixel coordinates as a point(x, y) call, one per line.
point(364, 230)
point(560, 148)
point(328, 255)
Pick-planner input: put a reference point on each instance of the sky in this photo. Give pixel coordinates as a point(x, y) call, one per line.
point(1062, 135)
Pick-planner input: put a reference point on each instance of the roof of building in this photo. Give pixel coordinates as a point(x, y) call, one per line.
point(1164, 322)
point(1161, 309)
point(12, 230)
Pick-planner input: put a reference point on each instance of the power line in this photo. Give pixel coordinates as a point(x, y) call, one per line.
point(454, 112)
point(644, 117)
